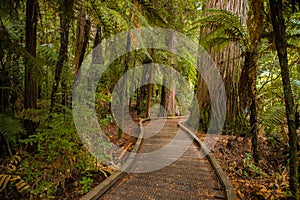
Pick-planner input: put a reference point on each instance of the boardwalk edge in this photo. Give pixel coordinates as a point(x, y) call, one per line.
point(229, 190)
point(105, 185)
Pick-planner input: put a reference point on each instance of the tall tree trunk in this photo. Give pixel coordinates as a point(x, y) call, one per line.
point(82, 38)
point(168, 100)
point(79, 38)
point(87, 28)
point(142, 91)
point(84, 42)
point(200, 116)
point(150, 85)
point(132, 81)
point(150, 91)
point(204, 106)
point(255, 27)
point(30, 44)
point(123, 91)
point(251, 66)
point(97, 56)
point(281, 45)
point(66, 14)
point(162, 112)
point(228, 61)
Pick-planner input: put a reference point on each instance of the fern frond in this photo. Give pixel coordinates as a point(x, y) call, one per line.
point(10, 8)
point(10, 128)
point(222, 23)
point(4, 180)
point(35, 115)
point(273, 118)
point(218, 38)
point(19, 182)
point(46, 52)
point(151, 13)
point(118, 18)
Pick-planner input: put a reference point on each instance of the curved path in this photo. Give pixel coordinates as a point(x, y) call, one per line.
point(189, 177)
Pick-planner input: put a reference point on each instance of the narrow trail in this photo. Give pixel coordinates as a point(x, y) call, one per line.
point(189, 177)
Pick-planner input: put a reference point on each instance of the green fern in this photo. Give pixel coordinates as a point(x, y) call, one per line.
point(151, 13)
point(225, 26)
point(35, 115)
point(273, 118)
point(10, 129)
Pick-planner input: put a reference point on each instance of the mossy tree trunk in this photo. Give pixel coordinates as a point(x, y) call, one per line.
point(255, 28)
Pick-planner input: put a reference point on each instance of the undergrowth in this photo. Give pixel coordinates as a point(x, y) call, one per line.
point(46, 164)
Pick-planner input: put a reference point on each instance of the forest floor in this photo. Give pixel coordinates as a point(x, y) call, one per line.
point(266, 180)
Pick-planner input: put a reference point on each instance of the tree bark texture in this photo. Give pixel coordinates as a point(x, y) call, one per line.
point(229, 62)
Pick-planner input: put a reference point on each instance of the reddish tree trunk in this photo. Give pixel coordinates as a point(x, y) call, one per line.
point(30, 45)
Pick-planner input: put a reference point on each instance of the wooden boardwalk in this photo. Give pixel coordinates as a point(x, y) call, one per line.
point(189, 177)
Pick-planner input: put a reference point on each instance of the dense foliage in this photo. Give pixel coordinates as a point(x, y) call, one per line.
point(44, 43)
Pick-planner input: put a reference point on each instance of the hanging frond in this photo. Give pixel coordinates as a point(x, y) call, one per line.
point(223, 24)
point(151, 13)
point(47, 53)
point(218, 38)
point(9, 43)
point(10, 8)
point(273, 118)
point(110, 15)
point(293, 32)
point(115, 17)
